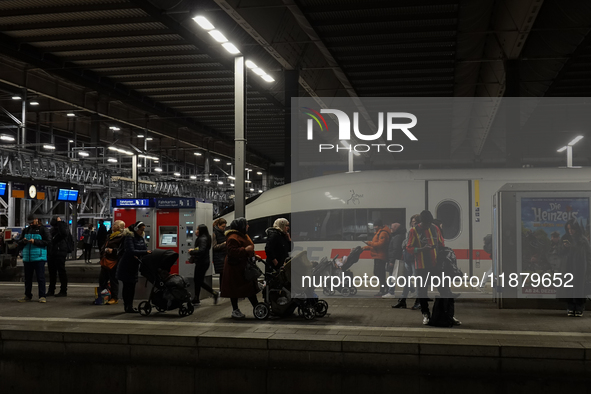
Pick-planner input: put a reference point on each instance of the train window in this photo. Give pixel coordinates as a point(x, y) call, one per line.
point(317, 225)
point(332, 229)
point(449, 213)
point(354, 224)
point(388, 216)
point(256, 230)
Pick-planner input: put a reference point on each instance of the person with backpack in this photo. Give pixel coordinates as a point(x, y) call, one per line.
point(423, 241)
point(378, 248)
point(394, 253)
point(33, 242)
point(88, 240)
point(200, 257)
point(101, 235)
point(109, 257)
point(56, 256)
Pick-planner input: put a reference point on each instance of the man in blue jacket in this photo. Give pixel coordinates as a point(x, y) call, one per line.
point(34, 241)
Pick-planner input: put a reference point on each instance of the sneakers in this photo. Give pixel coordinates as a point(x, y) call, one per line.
point(236, 314)
point(25, 299)
point(216, 297)
point(570, 313)
point(425, 318)
point(388, 295)
point(456, 322)
point(578, 314)
point(401, 304)
point(42, 300)
point(61, 294)
point(111, 301)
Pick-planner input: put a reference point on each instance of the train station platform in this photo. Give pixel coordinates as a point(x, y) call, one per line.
point(70, 346)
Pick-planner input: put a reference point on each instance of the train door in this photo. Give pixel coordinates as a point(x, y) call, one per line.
point(449, 202)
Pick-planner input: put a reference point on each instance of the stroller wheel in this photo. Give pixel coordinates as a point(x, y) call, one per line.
point(346, 291)
point(309, 312)
point(190, 308)
point(144, 308)
point(321, 308)
point(183, 311)
point(353, 290)
point(261, 311)
point(160, 309)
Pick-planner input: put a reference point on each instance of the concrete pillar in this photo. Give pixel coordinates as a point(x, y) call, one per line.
point(239, 135)
point(513, 150)
point(291, 81)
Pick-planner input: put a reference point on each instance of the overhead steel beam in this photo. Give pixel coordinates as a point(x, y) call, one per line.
point(94, 35)
point(101, 45)
point(76, 23)
point(67, 9)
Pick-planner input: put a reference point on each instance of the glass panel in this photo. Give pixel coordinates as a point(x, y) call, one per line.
point(256, 230)
point(449, 213)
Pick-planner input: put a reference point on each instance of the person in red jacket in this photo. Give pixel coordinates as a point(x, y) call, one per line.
point(378, 248)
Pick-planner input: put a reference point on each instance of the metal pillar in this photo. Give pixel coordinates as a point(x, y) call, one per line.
point(134, 174)
point(24, 118)
point(513, 124)
point(569, 156)
point(11, 207)
point(239, 135)
point(291, 83)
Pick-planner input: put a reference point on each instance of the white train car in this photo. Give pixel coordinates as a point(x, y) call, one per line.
point(334, 213)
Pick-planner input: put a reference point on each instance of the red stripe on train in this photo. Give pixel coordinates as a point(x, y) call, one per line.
point(461, 254)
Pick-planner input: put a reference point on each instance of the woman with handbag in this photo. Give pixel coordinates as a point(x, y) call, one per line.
point(240, 255)
point(108, 262)
point(200, 257)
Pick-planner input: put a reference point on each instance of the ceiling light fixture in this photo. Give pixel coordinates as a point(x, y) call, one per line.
point(83, 154)
point(6, 138)
point(158, 169)
point(193, 177)
point(250, 64)
point(34, 103)
point(177, 174)
point(207, 180)
point(197, 154)
point(267, 78)
point(70, 114)
point(216, 159)
point(259, 173)
point(112, 160)
point(218, 36)
point(220, 183)
point(203, 22)
point(140, 136)
point(228, 46)
point(16, 98)
point(48, 146)
point(577, 139)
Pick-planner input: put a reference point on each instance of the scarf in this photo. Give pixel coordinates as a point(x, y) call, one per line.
point(115, 234)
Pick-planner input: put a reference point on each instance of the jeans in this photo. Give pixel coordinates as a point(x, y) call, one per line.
point(198, 276)
point(409, 270)
point(57, 265)
point(108, 275)
point(379, 270)
point(128, 294)
point(37, 267)
point(87, 252)
point(575, 304)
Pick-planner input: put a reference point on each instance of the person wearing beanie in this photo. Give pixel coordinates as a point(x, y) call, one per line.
point(34, 241)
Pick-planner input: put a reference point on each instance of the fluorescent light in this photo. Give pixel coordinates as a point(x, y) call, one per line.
point(149, 138)
point(577, 139)
point(228, 164)
point(112, 160)
point(114, 128)
point(218, 36)
point(231, 184)
point(158, 169)
point(197, 154)
point(70, 114)
point(70, 141)
point(228, 46)
point(177, 174)
point(113, 148)
point(207, 180)
point(251, 189)
point(140, 136)
point(260, 191)
point(248, 181)
point(231, 177)
point(250, 64)
point(216, 159)
point(220, 183)
point(49, 147)
point(259, 173)
point(16, 98)
point(34, 103)
point(258, 71)
point(193, 177)
point(267, 78)
point(6, 138)
point(561, 149)
point(83, 154)
point(139, 166)
point(156, 161)
point(203, 22)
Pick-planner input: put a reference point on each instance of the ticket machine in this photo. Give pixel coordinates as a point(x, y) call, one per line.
point(170, 223)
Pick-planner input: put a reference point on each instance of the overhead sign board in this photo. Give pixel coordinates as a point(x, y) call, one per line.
point(131, 202)
point(175, 202)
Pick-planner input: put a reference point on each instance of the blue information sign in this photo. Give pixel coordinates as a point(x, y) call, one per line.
point(67, 195)
point(2, 188)
point(175, 202)
point(131, 202)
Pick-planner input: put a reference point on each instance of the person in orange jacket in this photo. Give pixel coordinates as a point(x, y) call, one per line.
point(378, 248)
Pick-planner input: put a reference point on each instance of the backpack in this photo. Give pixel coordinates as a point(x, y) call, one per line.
point(69, 243)
point(443, 313)
point(488, 244)
point(446, 259)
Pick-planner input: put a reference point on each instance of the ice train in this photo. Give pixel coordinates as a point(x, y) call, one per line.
point(332, 214)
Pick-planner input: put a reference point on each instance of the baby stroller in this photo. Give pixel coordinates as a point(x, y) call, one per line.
point(169, 292)
point(279, 299)
point(327, 268)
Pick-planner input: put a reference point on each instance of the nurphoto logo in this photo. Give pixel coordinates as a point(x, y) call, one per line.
point(344, 122)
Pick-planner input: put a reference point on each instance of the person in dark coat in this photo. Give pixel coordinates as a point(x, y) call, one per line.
point(56, 257)
point(577, 263)
point(88, 240)
point(279, 245)
point(134, 247)
point(240, 253)
point(109, 254)
point(200, 257)
point(101, 235)
point(394, 253)
point(218, 244)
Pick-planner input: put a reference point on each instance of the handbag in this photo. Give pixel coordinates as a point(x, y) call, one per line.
point(252, 272)
point(107, 263)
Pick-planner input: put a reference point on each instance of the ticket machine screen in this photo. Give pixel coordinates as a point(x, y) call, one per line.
point(168, 236)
